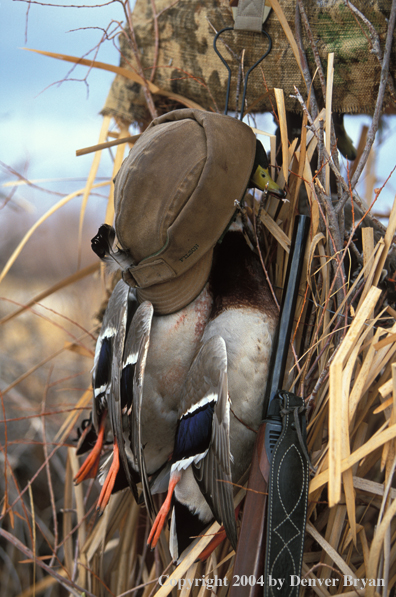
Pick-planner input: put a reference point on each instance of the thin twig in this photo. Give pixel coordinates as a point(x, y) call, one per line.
point(167, 8)
point(144, 552)
point(336, 243)
point(266, 272)
point(324, 373)
point(6, 501)
point(356, 253)
point(132, 38)
point(238, 84)
point(328, 158)
point(68, 5)
point(242, 70)
point(320, 71)
point(313, 47)
point(321, 173)
point(157, 579)
point(304, 63)
point(321, 353)
point(227, 47)
point(336, 240)
point(64, 581)
point(48, 472)
point(156, 47)
point(374, 39)
point(27, 22)
point(380, 97)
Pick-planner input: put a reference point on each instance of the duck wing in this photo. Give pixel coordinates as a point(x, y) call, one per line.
point(107, 363)
point(111, 335)
point(203, 435)
point(132, 377)
point(127, 308)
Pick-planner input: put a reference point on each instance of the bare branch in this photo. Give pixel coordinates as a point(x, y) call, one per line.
point(68, 5)
point(304, 63)
point(132, 38)
point(313, 47)
point(373, 39)
point(380, 97)
point(156, 31)
point(65, 582)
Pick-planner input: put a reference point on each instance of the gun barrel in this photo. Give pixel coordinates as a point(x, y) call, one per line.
point(289, 299)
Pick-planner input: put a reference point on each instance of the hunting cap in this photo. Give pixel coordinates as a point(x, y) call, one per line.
point(175, 195)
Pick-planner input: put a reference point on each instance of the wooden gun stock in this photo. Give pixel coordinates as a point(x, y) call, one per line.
point(249, 559)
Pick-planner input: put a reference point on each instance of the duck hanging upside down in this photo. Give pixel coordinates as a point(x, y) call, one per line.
point(179, 394)
point(203, 388)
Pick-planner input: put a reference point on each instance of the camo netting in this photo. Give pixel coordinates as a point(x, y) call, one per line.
point(188, 65)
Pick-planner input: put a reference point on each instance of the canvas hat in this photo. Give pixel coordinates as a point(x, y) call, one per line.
point(175, 195)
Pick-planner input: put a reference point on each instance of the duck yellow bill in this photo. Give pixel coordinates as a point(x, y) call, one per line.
point(262, 177)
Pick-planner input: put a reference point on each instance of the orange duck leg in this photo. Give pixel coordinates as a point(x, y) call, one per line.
point(163, 513)
point(89, 468)
point(110, 480)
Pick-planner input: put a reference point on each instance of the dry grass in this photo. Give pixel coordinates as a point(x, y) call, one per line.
point(353, 448)
point(343, 365)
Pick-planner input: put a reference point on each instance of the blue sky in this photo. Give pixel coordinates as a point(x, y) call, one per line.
point(42, 124)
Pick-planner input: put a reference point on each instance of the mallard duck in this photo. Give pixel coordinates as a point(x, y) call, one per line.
point(203, 372)
point(120, 310)
point(178, 391)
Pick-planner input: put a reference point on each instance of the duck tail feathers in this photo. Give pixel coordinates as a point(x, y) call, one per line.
point(102, 245)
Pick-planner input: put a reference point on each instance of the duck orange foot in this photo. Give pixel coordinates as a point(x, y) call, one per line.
point(109, 481)
point(163, 513)
point(89, 468)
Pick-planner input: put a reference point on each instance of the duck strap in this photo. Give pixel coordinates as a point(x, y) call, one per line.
point(288, 482)
point(250, 15)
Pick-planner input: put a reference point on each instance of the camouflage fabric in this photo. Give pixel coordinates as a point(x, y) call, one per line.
point(188, 65)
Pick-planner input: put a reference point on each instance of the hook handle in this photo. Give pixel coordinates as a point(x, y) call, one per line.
point(229, 69)
point(225, 64)
point(253, 67)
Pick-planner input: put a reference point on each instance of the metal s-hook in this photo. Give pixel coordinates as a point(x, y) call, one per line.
point(229, 69)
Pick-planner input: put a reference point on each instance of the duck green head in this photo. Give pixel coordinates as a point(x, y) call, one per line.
point(260, 177)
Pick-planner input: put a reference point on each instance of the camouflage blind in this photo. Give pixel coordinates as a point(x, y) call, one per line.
point(187, 64)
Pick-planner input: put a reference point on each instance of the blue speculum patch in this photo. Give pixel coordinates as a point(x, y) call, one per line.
point(127, 385)
point(194, 432)
point(103, 369)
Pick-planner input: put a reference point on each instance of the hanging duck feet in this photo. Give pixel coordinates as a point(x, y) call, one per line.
point(163, 513)
point(89, 469)
point(109, 481)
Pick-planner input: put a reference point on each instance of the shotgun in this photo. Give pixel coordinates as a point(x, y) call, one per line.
point(271, 538)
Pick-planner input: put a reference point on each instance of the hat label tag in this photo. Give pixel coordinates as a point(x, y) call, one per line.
point(189, 253)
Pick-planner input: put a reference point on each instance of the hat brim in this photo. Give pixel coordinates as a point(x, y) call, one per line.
point(172, 296)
